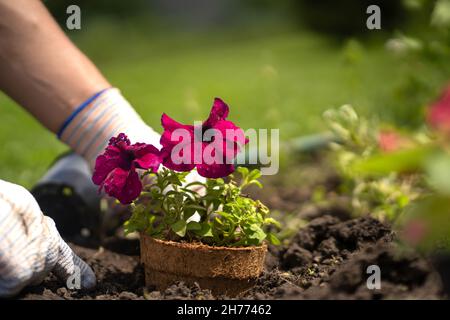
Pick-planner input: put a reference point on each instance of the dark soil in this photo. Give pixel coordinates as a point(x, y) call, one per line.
point(326, 259)
point(329, 260)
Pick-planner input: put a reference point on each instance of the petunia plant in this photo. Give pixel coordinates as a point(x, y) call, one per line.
point(166, 205)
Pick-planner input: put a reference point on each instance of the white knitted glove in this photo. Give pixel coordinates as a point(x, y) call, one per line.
point(30, 245)
point(106, 114)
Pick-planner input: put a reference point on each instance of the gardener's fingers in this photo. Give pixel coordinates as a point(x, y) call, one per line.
point(71, 269)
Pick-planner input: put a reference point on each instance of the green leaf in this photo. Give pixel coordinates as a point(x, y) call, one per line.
point(243, 171)
point(194, 183)
point(273, 239)
point(138, 221)
point(257, 183)
point(179, 228)
point(438, 169)
point(257, 233)
point(254, 174)
point(401, 161)
point(225, 215)
point(205, 230)
point(195, 207)
point(272, 221)
point(194, 226)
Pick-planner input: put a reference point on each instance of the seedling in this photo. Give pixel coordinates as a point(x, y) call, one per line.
point(220, 215)
point(165, 205)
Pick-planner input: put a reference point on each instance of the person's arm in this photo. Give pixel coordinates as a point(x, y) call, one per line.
point(40, 68)
point(47, 75)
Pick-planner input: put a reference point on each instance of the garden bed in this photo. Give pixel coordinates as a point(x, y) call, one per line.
point(326, 259)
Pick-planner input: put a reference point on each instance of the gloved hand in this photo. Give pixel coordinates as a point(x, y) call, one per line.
point(30, 245)
point(104, 115)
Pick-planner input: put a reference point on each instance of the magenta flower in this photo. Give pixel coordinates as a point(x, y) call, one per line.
point(211, 147)
point(115, 169)
point(439, 113)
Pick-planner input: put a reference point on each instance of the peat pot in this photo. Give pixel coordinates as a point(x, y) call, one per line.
point(223, 270)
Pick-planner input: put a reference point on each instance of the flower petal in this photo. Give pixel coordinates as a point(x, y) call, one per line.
point(105, 163)
point(179, 136)
point(219, 111)
point(233, 139)
point(231, 132)
point(168, 162)
point(121, 141)
point(146, 156)
point(169, 124)
point(215, 171)
point(123, 185)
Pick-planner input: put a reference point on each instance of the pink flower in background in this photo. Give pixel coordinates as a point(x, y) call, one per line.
point(415, 231)
point(115, 169)
point(438, 115)
point(210, 147)
point(389, 140)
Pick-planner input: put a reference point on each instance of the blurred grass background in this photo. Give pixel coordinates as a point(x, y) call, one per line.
point(262, 58)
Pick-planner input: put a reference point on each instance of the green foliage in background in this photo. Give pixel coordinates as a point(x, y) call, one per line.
point(368, 176)
point(422, 53)
point(425, 222)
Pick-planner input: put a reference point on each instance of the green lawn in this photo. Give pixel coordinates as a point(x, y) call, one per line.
point(280, 79)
